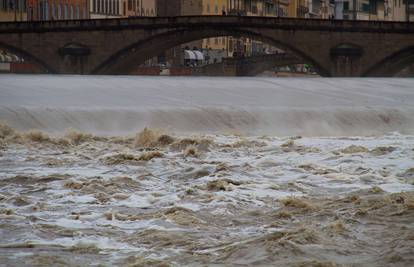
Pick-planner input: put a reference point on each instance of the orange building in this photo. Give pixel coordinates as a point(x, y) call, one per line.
point(57, 9)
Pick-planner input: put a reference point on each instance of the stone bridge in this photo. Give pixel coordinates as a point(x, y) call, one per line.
point(114, 46)
point(249, 66)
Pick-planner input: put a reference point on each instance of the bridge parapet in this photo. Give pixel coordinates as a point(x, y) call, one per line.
point(199, 21)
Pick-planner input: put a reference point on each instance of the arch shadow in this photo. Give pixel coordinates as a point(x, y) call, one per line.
point(392, 64)
point(136, 53)
point(28, 57)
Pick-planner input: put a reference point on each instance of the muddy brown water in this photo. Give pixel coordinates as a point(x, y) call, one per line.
point(206, 200)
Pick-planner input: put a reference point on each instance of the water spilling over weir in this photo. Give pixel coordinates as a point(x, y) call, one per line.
point(123, 105)
point(229, 172)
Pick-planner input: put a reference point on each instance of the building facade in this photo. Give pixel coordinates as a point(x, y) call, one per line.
point(13, 10)
point(321, 9)
point(100, 9)
point(298, 9)
point(214, 49)
point(217, 48)
point(38, 10)
point(171, 8)
point(142, 8)
point(391, 10)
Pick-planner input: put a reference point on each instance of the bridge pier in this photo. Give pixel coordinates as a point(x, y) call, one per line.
point(346, 60)
point(74, 58)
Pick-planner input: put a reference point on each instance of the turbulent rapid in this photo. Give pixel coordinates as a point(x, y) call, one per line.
point(142, 171)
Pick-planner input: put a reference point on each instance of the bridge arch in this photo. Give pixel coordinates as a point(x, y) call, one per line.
point(393, 63)
point(28, 57)
point(142, 50)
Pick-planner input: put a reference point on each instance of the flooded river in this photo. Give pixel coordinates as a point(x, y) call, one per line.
point(143, 171)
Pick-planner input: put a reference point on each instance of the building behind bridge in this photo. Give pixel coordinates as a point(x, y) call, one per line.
point(391, 10)
point(36, 10)
point(42, 10)
point(13, 10)
point(216, 48)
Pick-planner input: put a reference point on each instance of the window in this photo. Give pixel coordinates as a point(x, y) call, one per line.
point(365, 7)
point(71, 12)
point(53, 11)
point(47, 11)
point(208, 8)
point(65, 11)
point(44, 10)
point(346, 6)
point(59, 11)
point(77, 12)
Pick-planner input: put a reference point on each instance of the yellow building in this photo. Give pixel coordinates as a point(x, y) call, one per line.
point(215, 48)
point(298, 8)
point(228, 46)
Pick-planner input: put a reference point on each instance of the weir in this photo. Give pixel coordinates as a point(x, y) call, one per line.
point(288, 106)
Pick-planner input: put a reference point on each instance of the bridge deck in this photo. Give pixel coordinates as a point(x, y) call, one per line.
point(200, 21)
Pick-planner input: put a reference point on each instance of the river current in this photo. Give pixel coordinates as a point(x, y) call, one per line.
point(144, 171)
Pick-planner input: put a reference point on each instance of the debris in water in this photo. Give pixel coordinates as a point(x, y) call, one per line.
point(222, 185)
point(146, 156)
point(353, 149)
point(380, 151)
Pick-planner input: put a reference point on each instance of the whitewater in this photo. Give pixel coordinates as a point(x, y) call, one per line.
point(185, 171)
